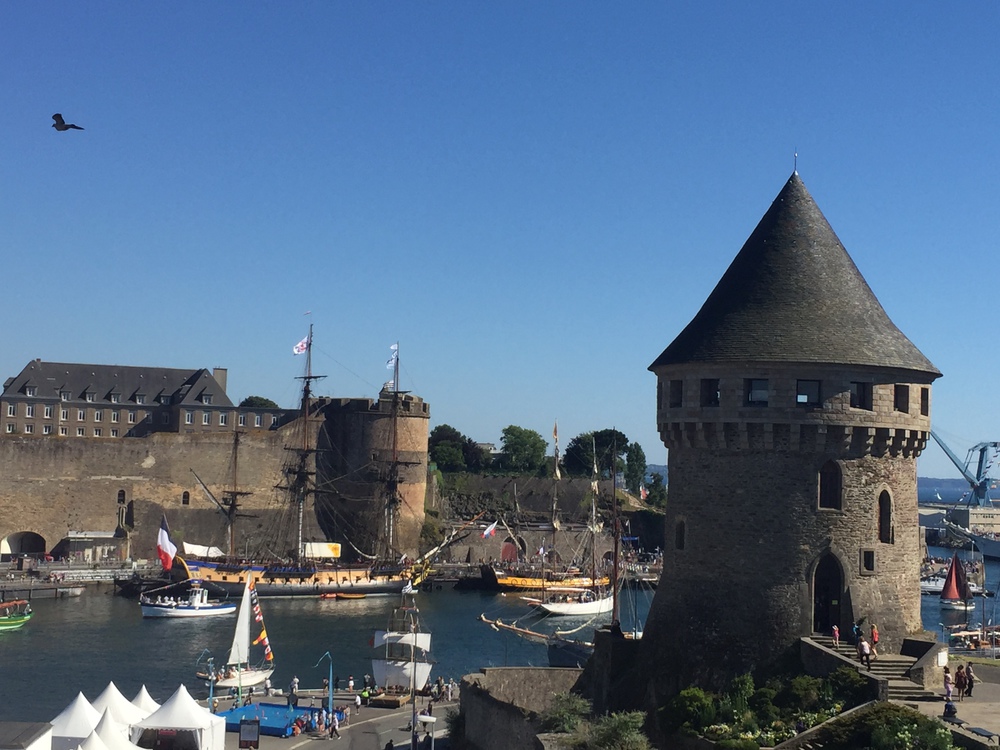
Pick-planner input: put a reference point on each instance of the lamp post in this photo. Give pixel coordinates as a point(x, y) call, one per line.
point(329, 682)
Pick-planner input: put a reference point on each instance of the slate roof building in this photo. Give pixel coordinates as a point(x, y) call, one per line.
point(793, 411)
point(114, 401)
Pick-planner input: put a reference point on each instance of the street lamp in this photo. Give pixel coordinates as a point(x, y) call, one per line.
point(329, 682)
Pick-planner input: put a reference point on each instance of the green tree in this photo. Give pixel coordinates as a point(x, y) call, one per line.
point(445, 433)
point(523, 450)
point(578, 459)
point(610, 446)
point(565, 714)
point(657, 492)
point(476, 457)
point(446, 447)
point(635, 469)
point(258, 402)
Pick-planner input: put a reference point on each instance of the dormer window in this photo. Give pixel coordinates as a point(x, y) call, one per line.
point(30, 390)
point(89, 396)
point(206, 398)
point(114, 398)
point(164, 398)
point(140, 398)
point(756, 392)
point(65, 395)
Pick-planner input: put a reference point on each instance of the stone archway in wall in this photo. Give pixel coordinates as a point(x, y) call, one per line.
point(828, 594)
point(512, 549)
point(21, 543)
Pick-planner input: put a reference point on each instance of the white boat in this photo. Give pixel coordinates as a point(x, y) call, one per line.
point(404, 664)
point(565, 600)
point(197, 604)
point(238, 671)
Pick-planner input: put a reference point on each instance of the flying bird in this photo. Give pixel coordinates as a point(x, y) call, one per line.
point(60, 124)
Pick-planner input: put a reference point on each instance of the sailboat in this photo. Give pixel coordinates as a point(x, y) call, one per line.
point(404, 664)
point(313, 568)
point(238, 671)
point(956, 594)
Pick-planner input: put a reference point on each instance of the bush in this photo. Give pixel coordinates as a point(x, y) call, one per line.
point(692, 707)
point(885, 726)
point(455, 721)
point(803, 693)
point(565, 714)
point(849, 687)
point(618, 732)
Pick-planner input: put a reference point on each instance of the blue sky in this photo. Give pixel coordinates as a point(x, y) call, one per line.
point(532, 198)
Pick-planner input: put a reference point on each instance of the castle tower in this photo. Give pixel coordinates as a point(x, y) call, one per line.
point(793, 411)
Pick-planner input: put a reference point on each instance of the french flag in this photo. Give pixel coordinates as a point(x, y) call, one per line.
point(165, 549)
point(490, 530)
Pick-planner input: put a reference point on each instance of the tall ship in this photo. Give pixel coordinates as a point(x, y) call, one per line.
point(285, 564)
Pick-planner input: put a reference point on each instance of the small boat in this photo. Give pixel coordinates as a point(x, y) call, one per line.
point(14, 614)
point(955, 594)
point(566, 600)
point(238, 671)
point(404, 664)
point(197, 604)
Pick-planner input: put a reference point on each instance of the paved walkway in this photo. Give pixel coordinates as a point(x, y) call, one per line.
point(981, 710)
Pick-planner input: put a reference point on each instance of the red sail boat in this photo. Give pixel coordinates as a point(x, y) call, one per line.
point(956, 594)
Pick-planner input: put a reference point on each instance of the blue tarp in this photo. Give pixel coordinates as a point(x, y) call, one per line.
point(275, 718)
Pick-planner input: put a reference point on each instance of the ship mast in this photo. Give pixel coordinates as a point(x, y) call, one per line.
point(392, 503)
point(299, 475)
point(231, 497)
point(616, 533)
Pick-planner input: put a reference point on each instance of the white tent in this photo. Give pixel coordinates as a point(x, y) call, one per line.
point(184, 725)
point(145, 701)
point(122, 711)
point(93, 742)
point(74, 724)
point(114, 735)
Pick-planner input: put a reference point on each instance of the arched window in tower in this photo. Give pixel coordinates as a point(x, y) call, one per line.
point(680, 535)
point(186, 498)
point(121, 497)
point(830, 485)
point(886, 534)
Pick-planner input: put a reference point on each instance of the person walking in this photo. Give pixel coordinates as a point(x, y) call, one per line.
point(970, 680)
point(865, 653)
point(949, 684)
point(334, 725)
point(856, 632)
point(874, 640)
point(961, 682)
point(836, 641)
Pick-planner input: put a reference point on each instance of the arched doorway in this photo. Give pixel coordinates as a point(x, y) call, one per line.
point(512, 549)
point(828, 591)
point(22, 543)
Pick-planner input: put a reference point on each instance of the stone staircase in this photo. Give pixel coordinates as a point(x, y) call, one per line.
point(891, 667)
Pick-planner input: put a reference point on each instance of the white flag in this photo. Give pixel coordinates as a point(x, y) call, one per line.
point(302, 347)
point(391, 363)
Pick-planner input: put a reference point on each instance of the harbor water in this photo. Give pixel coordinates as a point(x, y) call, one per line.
point(82, 643)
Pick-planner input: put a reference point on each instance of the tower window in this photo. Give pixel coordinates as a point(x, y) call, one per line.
point(676, 393)
point(807, 393)
point(868, 562)
point(861, 396)
point(121, 497)
point(830, 485)
point(925, 402)
point(901, 398)
point(680, 535)
point(186, 498)
point(886, 533)
point(710, 392)
point(756, 392)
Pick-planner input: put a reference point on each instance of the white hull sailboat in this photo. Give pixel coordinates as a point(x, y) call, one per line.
point(574, 601)
point(238, 671)
point(197, 604)
point(404, 665)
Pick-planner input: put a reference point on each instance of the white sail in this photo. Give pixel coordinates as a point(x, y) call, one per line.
point(421, 640)
point(239, 652)
point(399, 673)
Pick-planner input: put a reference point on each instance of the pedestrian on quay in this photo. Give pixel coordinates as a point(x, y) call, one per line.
point(949, 684)
point(961, 682)
point(836, 641)
point(350, 683)
point(334, 725)
point(357, 703)
point(874, 640)
point(970, 680)
point(865, 653)
point(856, 632)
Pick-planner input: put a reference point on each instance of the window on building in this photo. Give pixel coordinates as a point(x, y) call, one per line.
point(80, 432)
point(65, 395)
point(830, 485)
point(11, 410)
point(925, 402)
point(243, 420)
point(29, 429)
point(274, 419)
point(901, 398)
point(81, 415)
point(47, 429)
point(710, 392)
point(676, 393)
point(30, 390)
point(756, 391)
point(97, 432)
point(206, 398)
point(29, 410)
point(807, 393)
point(114, 398)
point(886, 534)
point(164, 398)
point(680, 535)
point(140, 398)
point(89, 397)
point(114, 433)
point(223, 419)
point(206, 418)
point(188, 417)
point(868, 562)
point(48, 412)
point(861, 396)
point(98, 415)
point(186, 498)
point(257, 420)
point(166, 417)
point(64, 431)
point(121, 497)
point(114, 416)
point(10, 427)
point(131, 417)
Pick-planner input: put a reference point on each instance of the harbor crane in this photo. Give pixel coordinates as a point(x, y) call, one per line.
point(980, 481)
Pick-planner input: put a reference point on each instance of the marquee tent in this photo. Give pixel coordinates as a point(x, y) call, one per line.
point(122, 710)
point(144, 701)
point(181, 724)
point(74, 724)
point(114, 735)
point(93, 742)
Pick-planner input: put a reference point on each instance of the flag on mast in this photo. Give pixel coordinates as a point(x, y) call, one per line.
point(490, 530)
point(302, 347)
point(391, 363)
point(555, 436)
point(165, 549)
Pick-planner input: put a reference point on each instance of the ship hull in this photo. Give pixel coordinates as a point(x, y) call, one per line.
point(271, 582)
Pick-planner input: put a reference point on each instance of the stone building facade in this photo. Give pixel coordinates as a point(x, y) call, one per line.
point(793, 411)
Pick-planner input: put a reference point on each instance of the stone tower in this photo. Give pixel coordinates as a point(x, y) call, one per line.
point(793, 411)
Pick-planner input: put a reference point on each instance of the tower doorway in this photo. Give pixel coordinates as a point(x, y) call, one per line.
point(828, 591)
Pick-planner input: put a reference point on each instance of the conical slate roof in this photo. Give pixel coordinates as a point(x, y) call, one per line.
point(793, 294)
